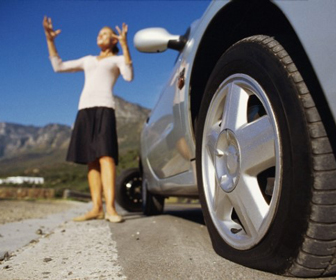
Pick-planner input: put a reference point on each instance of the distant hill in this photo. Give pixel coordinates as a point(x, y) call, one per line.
point(130, 120)
point(40, 151)
point(18, 140)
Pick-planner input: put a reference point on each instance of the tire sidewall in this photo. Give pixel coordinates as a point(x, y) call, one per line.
point(290, 222)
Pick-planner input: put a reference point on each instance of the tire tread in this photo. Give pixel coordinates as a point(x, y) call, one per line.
point(317, 255)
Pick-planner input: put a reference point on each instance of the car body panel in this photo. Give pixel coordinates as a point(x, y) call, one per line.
point(168, 168)
point(311, 30)
point(162, 133)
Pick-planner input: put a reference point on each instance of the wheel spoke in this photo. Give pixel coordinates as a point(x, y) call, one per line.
point(257, 144)
point(235, 107)
point(249, 205)
point(211, 140)
point(222, 204)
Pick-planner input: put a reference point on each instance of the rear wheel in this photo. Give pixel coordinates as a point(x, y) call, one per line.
point(128, 190)
point(265, 164)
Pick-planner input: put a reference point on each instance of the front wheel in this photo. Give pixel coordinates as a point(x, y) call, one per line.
point(260, 161)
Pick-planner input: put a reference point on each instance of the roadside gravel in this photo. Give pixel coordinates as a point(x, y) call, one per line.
point(39, 240)
point(18, 210)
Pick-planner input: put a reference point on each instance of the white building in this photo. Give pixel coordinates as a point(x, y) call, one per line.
point(19, 180)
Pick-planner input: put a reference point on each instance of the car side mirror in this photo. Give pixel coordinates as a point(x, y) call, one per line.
point(151, 40)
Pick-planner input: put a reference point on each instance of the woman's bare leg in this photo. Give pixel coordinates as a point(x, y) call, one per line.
point(94, 178)
point(108, 177)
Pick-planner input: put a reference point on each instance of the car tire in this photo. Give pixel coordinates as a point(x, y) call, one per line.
point(265, 167)
point(128, 190)
point(151, 204)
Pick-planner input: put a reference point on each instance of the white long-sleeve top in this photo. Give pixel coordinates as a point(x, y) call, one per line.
point(100, 77)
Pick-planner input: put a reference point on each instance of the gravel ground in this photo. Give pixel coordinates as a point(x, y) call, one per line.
point(39, 240)
point(64, 254)
point(18, 210)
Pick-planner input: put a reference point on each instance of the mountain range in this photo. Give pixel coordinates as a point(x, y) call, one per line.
point(32, 150)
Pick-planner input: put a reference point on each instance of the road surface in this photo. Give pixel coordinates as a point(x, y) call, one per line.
point(174, 245)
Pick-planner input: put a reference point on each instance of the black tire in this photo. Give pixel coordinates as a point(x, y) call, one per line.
point(151, 204)
point(295, 234)
point(128, 190)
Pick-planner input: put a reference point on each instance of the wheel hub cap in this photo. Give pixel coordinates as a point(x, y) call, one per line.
point(227, 160)
point(241, 152)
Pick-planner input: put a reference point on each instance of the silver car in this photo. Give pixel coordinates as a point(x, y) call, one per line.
point(247, 124)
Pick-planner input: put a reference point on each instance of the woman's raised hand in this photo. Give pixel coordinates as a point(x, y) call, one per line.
point(50, 33)
point(122, 37)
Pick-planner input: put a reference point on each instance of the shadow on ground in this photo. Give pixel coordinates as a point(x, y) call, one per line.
point(191, 212)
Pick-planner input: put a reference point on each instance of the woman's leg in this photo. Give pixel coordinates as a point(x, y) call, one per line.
point(108, 177)
point(94, 179)
point(95, 184)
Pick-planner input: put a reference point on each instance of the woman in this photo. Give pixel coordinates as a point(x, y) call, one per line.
point(94, 138)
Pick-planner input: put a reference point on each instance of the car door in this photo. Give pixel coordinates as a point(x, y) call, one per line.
point(162, 135)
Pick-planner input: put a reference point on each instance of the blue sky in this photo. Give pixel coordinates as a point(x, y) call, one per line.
point(32, 94)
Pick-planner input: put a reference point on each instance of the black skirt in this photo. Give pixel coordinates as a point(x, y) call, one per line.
point(94, 136)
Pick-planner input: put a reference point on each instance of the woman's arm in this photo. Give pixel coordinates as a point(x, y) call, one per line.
point(57, 63)
point(67, 66)
point(122, 38)
point(126, 71)
point(50, 36)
